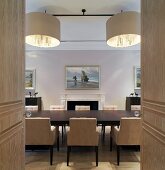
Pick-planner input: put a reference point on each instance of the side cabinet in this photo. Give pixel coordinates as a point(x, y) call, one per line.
point(132, 101)
point(33, 101)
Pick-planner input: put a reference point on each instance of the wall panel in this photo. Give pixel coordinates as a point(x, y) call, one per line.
point(12, 17)
point(153, 84)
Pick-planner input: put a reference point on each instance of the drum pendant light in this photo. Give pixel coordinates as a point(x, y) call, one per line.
point(123, 29)
point(42, 30)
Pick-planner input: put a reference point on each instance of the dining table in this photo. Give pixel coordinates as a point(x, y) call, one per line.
point(104, 117)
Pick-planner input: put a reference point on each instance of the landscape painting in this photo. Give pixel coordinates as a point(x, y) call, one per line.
point(137, 75)
point(30, 79)
point(82, 77)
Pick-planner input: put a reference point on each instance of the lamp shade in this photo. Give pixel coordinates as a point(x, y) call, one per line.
point(123, 29)
point(42, 30)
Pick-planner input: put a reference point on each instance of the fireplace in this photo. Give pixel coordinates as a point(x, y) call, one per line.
point(94, 100)
point(93, 104)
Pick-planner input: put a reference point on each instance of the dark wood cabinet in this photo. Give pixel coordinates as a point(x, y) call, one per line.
point(33, 101)
point(132, 101)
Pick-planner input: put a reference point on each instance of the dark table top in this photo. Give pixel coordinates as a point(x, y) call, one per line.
point(105, 117)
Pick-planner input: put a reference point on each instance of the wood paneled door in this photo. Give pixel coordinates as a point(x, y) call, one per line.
point(12, 17)
point(153, 84)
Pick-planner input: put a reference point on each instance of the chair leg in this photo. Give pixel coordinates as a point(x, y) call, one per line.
point(65, 128)
point(96, 150)
point(68, 154)
point(62, 134)
point(103, 129)
point(111, 139)
point(111, 142)
point(51, 154)
point(118, 154)
point(58, 143)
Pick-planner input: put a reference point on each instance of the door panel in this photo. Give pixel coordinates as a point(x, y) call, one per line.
point(153, 84)
point(12, 16)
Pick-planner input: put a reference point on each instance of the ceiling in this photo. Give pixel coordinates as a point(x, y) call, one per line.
point(82, 33)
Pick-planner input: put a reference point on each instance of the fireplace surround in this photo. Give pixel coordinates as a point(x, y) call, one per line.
point(93, 104)
point(95, 100)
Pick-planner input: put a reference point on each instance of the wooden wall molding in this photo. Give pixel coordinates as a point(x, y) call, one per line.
point(155, 133)
point(10, 103)
point(11, 150)
point(10, 106)
point(150, 103)
point(153, 84)
point(10, 116)
point(154, 118)
point(11, 132)
point(152, 153)
point(12, 85)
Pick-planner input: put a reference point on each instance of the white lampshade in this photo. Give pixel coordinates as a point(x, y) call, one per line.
point(123, 29)
point(42, 30)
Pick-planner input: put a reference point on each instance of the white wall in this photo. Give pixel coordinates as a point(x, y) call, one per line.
point(117, 77)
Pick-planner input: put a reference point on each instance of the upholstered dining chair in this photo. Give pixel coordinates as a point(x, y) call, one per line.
point(83, 132)
point(82, 107)
point(38, 131)
point(108, 107)
point(59, 107)
point(128, 133)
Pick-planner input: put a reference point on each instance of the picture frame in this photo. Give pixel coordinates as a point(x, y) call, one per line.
point(30, 78)
point(137, 77)
point(82, 77)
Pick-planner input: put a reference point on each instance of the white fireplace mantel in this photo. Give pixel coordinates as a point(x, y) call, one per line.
point(83, 97)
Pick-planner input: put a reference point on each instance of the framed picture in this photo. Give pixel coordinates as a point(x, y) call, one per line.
point(82, 77)
point(137, 77)
point(30, 79)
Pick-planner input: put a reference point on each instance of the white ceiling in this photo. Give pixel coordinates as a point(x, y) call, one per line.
point(82, 33)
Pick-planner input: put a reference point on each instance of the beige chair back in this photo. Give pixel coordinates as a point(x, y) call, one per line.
point(110, 107)
point(38, 131)
point(82, 132)
point(31, 108)
point(57, 107)
point(80, 107)
point(130, 131)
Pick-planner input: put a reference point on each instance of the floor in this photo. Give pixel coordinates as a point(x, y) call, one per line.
point(84, 159)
